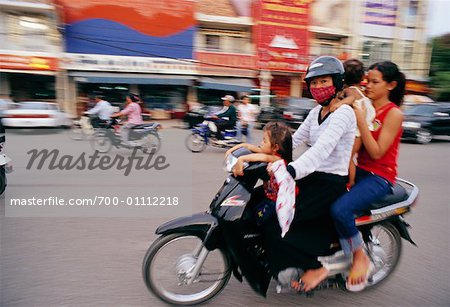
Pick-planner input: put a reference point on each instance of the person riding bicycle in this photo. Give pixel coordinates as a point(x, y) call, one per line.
point(133, 111)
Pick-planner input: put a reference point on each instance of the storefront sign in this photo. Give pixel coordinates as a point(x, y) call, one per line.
point(143, 28)
point(381, 12)
point(18, 62)
point(213, 63)
point(281, 34)
point(94, 62)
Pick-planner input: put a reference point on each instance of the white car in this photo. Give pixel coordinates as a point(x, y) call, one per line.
point(6, 104)
point(36, 114)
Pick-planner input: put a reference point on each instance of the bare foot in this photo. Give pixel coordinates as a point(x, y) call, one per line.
point(359, 269)
point(310, 279)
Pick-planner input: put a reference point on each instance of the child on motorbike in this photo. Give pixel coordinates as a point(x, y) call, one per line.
point(377, 164)
point(354, 73)
point(276, 145)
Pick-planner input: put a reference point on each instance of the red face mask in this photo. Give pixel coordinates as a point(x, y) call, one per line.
point(322, 94)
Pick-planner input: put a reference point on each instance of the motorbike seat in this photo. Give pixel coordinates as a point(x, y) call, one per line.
point(142, 126)
point(398, 194)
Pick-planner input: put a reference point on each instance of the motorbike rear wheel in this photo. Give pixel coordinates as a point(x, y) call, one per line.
point(168, 262)
point(195, 142)
point(384, 249)
point(101, 142)
point(152, 143)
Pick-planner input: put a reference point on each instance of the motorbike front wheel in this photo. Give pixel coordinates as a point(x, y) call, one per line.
point(76, 133)
point(2, 179)
point(384, 249)
point(195, 142)
point(171, 259)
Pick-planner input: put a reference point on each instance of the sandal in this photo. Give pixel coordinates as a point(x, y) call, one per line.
point(297, 285)
point(361, 286)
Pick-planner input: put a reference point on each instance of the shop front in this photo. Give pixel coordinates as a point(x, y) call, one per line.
point(28, 77)
point(163, 84)
point(224, 74)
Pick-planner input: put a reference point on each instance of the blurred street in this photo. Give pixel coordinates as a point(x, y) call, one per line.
point(97, 261)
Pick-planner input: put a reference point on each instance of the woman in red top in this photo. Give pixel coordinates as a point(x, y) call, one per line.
point(377, 164)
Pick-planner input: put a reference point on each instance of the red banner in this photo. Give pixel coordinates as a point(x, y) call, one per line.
point(281, 34)
point(18, 62)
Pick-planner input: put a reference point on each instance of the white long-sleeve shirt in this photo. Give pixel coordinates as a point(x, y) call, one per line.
point(331, 142)
point(103, 109)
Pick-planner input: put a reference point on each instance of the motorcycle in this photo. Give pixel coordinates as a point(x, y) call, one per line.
point(144, 136)
point(202, 135)
point(194, 256)
point(5, 167)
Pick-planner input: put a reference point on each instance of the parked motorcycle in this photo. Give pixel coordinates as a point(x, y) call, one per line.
point(192, 260)
point(145, 136)
point(203, 135)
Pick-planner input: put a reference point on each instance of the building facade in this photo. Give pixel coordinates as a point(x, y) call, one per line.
point(177, 52)
point(224, 49)
point(286, 35)
point(30, 51)
point(372, 31)
point(395, 30)
point(139, 46)
point(262, 45)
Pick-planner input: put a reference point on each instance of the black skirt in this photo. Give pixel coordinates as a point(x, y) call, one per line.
point(312, 231)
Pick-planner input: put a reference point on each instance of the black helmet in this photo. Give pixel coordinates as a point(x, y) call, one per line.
point(326, 66)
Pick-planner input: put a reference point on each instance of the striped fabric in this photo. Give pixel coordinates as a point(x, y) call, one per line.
point(331, 142)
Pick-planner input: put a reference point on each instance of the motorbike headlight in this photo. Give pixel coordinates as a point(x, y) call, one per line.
point(414, 125)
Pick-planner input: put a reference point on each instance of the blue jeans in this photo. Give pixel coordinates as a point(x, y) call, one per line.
point(249, 132)
point(369, 188)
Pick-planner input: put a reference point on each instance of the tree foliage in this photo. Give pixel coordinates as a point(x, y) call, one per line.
point(440, 67)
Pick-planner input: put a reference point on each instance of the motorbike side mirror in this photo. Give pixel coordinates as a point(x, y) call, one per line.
point(231, 161)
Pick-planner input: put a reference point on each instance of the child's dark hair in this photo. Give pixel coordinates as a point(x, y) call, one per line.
point(280, 134)
point(354, 72)
point(391, 73)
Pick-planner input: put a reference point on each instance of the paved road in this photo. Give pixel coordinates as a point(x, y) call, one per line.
point(97, 261)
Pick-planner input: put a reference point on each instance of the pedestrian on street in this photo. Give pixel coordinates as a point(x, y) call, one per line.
point(247, 118)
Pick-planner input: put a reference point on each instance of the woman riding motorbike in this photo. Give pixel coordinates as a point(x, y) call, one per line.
point(321, 175)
